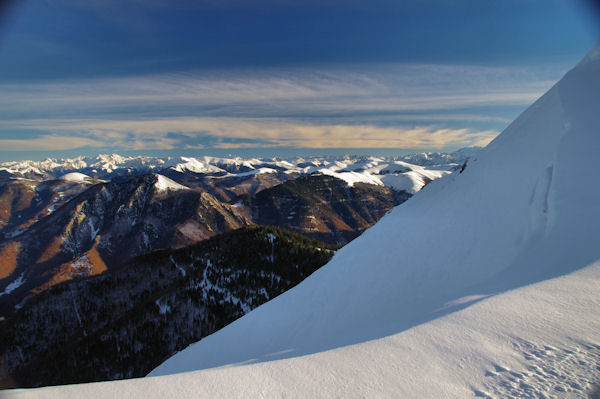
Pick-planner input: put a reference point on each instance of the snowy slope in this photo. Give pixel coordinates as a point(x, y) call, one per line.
point(485, 350)
point(398, 175)
point(194, 165)
point(165, 184)
point(74, 176)
point(485, 283)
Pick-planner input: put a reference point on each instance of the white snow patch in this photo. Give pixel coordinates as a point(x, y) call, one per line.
point(492, 349)
point(163, 308)
point(352, 177)
point(14, 285)
point(271, 238)
point(74, 177)
point(163, 183)
point(93, 230)
point(196, 166)
point(256, 172)
point(15, 233)
point(400, 176)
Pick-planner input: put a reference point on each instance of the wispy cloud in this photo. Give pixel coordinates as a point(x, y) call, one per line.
point(365, 106)
point(390, 87)
point(50, 142)
point(187, 132)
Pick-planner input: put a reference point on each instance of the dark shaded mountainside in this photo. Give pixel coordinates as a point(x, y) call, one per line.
point(126, 321)
point(227, 188)
point(57, 230)
point(324, 207)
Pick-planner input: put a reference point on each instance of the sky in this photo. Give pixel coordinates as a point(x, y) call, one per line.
point(276, 77)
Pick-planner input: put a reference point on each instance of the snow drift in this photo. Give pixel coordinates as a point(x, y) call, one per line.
point(485, 283)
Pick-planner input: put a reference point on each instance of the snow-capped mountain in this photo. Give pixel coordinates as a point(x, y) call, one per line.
point(350, 168)
point(484, 284)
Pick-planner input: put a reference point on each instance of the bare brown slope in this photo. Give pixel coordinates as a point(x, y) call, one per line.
point(108, 224)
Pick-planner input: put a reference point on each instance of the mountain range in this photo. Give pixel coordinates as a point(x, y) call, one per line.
point(107, 166)
point(73, 218)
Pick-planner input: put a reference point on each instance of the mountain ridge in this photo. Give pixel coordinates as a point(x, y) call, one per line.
point(104, 165)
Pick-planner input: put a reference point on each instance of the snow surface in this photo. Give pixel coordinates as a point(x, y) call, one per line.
point(196, 166)
point(165, 184)
point(488, 348)
point(352, 177)
point(413, 180)
point(75, 177)
point(14, 285)
point(485, 284)
point(393, 173)
point(400, 176)
point(256, 172)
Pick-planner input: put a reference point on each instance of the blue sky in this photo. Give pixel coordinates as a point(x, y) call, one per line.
point(276, 77)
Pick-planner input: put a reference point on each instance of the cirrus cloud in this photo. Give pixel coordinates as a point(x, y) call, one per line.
point(189, 133)
point(362, 106)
